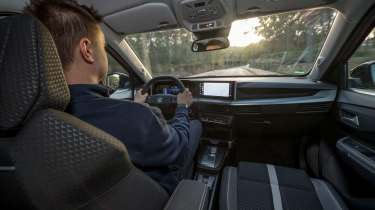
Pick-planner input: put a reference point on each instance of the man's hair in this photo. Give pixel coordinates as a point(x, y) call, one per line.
point(68, 22)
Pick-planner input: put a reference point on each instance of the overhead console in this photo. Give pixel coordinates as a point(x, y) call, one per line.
point(203, 15)
point(197, 11)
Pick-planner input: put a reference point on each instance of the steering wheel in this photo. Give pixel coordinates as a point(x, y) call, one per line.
point(162, 99)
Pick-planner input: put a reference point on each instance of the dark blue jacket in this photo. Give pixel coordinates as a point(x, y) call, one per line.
point(154, 146)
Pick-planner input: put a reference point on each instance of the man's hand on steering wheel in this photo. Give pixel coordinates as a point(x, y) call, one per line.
point(185, 98)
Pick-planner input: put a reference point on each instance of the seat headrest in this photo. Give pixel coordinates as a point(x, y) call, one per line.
point(31, 74)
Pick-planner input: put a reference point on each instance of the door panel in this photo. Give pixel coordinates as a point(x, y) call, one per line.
point(356, 115)
point(357, 111)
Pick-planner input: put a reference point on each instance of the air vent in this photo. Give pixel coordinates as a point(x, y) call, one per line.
point(314, 107)
point(214, 108)
point(250, 110)
point(272, 93)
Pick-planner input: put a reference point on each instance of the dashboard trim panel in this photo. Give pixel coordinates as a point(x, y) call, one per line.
point(319, 97)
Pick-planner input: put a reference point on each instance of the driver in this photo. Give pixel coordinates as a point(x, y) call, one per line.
point(163, 150)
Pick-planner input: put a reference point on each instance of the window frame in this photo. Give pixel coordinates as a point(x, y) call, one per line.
point(347, 70)
point(111, 52)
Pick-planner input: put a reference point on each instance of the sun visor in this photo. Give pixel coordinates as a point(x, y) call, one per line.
point(108, 7)
point(146, 17)
point(246, 8)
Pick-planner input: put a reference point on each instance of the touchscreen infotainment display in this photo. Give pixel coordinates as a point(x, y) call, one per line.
point(216, 89)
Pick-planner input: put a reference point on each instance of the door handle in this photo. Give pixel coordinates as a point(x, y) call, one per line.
point(350, 118)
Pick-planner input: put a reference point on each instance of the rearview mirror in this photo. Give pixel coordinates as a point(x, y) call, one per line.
point(118, 81)
point(365, 73)
point(210, 44)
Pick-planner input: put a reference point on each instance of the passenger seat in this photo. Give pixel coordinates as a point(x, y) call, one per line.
point(255, 186)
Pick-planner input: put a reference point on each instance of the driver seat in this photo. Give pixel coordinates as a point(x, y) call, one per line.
point(60, 162)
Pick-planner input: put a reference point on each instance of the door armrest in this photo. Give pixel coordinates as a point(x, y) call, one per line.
point(358, 155)
point(188, 194)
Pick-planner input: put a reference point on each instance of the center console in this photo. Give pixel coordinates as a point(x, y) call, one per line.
point(210, 161)
point(211, 108)
point(216, 143)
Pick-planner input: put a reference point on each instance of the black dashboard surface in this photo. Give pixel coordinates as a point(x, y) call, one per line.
point(298, 95)
point(273, 89)
point(262, 104)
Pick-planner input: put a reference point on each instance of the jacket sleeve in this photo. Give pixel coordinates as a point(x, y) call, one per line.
point(163, 144)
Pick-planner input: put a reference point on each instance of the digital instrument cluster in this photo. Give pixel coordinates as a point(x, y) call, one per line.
point(214, 90)
point(166, 89)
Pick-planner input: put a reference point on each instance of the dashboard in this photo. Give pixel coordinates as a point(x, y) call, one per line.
point(212, 89)
point(265, 103)
point(252, 91)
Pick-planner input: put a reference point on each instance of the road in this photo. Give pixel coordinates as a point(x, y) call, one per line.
point(237, 71)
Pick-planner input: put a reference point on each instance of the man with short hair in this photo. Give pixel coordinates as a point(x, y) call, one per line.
point(164, 151)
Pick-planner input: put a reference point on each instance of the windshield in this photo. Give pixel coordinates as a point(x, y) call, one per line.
point(280, 44)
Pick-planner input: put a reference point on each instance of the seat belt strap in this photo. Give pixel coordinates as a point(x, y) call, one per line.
point(274, 183)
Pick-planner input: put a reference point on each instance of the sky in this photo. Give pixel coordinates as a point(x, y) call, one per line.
point(243, 32)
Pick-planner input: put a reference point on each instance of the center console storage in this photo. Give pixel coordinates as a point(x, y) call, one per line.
point(210, 161)
point(189, 195)
point(211, 158)
point(211, 181)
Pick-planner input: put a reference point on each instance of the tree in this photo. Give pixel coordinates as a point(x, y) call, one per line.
point(289, 38)
point(294, 29)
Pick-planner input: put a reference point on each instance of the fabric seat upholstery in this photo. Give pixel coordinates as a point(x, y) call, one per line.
point(262, 187)
point(59, 161)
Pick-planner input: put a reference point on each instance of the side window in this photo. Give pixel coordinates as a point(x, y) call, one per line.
point(119, 79)
point(361, 66)
point(114, 66)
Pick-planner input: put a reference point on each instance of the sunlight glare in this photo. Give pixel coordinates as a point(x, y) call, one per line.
point(243, 32)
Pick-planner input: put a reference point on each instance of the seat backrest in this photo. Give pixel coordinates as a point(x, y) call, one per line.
point(60, 162)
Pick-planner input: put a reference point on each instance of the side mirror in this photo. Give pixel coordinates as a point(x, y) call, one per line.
point(365, 73)
point(210, 44)
point(118, 81)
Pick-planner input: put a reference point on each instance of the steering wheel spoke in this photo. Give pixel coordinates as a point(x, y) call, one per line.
point(162, 99)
